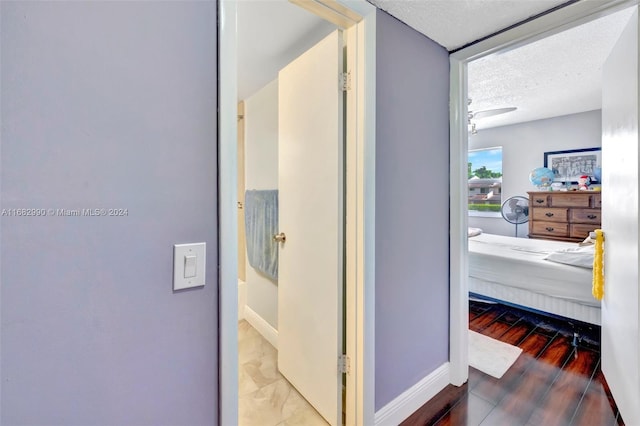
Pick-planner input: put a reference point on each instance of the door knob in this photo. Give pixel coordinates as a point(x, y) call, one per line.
point(280, 238)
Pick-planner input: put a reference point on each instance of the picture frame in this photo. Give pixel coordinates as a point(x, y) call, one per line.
point(569, 165)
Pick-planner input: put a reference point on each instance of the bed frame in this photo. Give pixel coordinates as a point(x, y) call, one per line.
point(536, 302)
point(499, 287)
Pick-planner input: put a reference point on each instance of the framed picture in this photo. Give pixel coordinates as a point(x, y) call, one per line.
point(569, 165)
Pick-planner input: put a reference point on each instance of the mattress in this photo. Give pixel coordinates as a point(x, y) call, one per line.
point(519, 263)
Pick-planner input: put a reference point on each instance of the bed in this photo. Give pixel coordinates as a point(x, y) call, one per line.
point(526, 272)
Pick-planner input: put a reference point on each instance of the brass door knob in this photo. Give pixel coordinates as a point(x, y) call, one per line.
point(280, 238)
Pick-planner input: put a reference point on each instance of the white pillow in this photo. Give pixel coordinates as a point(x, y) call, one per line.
point(472, 232)
point(579, 256)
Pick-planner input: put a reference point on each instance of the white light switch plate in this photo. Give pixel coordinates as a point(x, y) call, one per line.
point(182, 252)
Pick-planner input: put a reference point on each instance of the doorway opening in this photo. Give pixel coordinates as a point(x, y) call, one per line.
point(359, 401)
point(569, 17)
point(294, 175)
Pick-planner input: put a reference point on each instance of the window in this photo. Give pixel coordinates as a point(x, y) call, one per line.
point(485, 179)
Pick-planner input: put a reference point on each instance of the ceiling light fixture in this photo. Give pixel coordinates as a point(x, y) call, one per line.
point(477, 115)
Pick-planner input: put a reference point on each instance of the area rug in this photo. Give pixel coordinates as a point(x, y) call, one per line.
point(491, 356)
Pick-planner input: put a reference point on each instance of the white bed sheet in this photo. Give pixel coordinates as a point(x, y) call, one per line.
point(520, 263)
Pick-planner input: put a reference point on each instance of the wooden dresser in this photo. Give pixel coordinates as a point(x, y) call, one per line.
point(565, 216)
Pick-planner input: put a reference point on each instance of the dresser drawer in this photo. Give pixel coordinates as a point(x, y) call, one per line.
point(585, 216)
point(550, 228)
point(569, 199)
point(550, 214)
point(539, 200)
point(581, 230)
point(564, 215)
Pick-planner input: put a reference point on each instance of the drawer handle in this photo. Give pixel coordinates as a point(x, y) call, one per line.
point(548, 214)
point(548, 228)
point(540, 201)
point(592, 216)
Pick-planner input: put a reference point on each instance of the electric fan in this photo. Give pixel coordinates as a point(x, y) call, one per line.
point(515, 210)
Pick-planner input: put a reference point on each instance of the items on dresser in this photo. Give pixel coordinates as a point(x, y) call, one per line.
point(564, 216)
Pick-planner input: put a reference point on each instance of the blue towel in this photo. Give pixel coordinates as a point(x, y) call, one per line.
point(261, 224)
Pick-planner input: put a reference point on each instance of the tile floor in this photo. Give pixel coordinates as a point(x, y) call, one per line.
point(265, 397)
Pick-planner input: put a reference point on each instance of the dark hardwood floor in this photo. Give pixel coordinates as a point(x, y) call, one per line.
point(555, 381)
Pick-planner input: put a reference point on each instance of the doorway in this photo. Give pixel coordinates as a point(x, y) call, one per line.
point(360, 320)
point(294, 175)
point(570, 16)
point(555, 84)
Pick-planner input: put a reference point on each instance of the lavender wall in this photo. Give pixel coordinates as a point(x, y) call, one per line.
point(412, 208)
point(107, 105)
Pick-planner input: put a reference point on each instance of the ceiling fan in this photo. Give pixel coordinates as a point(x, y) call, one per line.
point(478, 115)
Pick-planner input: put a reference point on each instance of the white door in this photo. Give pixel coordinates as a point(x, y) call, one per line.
point(310, 267)
point(620, 313)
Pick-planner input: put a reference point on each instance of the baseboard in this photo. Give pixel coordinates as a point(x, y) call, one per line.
point(413, 398)
point(261, 325)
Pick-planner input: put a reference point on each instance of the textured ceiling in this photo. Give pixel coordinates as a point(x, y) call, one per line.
point(557, 75)
point(455, 23)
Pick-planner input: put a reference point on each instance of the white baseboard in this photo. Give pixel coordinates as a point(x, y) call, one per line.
point(262, 326)
point(413, 398)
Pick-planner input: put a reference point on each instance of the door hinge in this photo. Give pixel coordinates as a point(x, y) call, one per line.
point(344, 364)
point(345, 81)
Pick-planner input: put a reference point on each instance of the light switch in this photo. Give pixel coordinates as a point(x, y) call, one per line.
point(189, 265)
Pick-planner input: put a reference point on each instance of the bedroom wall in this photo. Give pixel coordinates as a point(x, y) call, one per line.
point(261, 172)
point(107, 105)
point(523, 148)
point(412, 208)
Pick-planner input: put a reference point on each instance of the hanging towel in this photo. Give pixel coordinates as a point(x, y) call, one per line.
point(598, 263)
point(261, 224)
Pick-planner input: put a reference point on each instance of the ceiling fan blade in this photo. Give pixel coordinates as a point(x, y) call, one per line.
point(491, 112)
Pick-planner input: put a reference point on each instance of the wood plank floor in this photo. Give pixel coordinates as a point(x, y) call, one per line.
point(555, 381)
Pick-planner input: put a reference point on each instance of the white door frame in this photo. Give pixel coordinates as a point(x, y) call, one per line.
point(552, 23)
point(360, 252)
